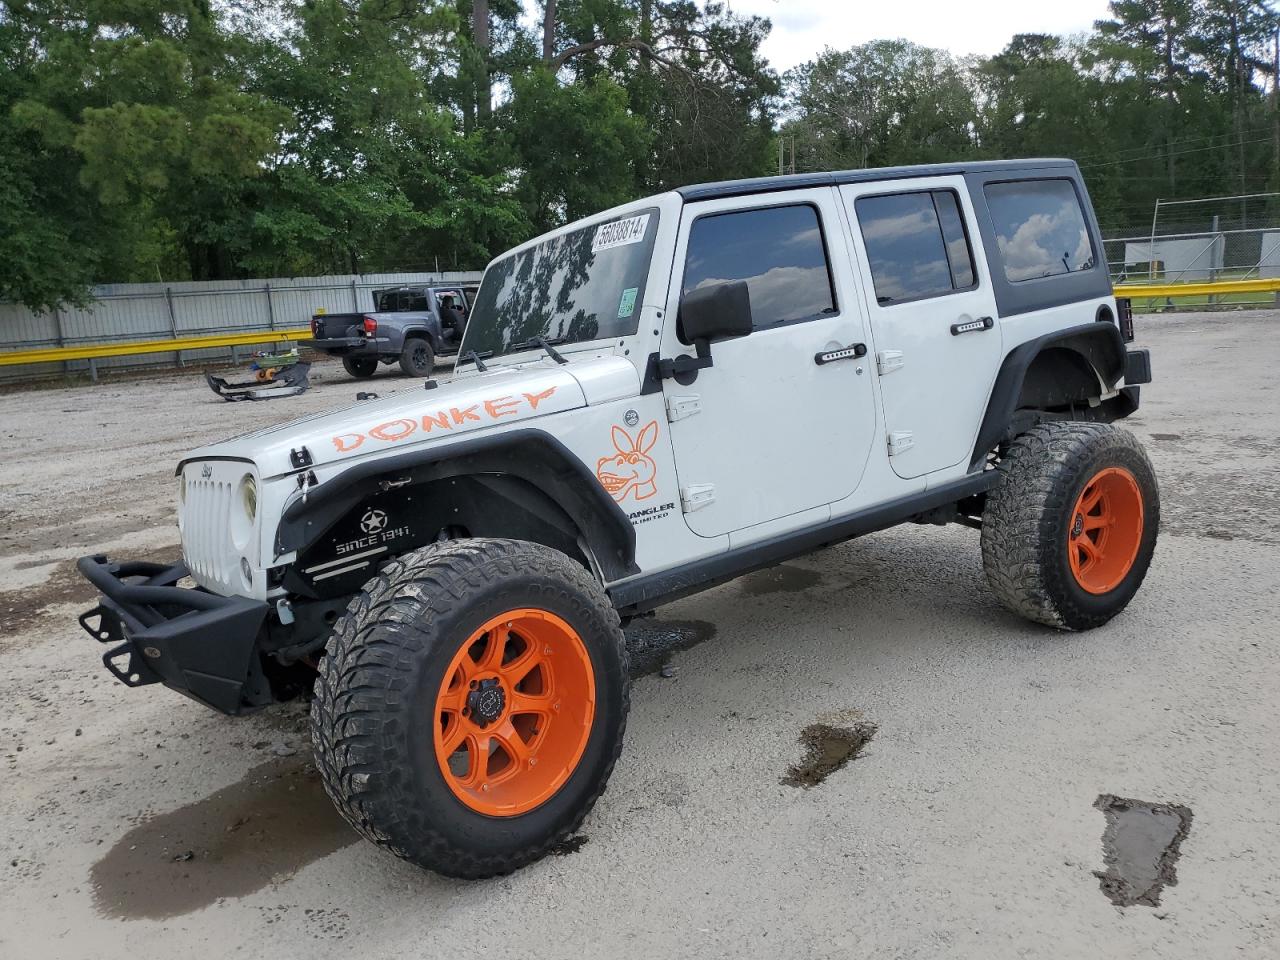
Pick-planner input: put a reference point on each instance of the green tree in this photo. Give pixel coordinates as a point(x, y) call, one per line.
point(577, 145)
point(694, 76)
point(878, 104)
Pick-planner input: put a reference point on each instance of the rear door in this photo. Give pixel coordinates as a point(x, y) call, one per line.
point(933, 313)
point(774, 427)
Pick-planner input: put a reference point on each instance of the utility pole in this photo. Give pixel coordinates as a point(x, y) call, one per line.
point(1275, 101)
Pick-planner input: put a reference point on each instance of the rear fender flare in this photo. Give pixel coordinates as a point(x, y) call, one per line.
point(423, 330)
point(1097, 347)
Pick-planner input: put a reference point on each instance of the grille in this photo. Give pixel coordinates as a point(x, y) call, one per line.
point(206, 535)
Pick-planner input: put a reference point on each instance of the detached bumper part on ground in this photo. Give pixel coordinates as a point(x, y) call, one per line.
point(198, 643)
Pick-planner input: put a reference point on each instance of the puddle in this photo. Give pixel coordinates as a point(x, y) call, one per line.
point(272, 823)
point(1166, 436)
point(1140, 847)
point(23, 608)
point(651, 642)
point(20, 609)
point(827, 749)
point(783, 578)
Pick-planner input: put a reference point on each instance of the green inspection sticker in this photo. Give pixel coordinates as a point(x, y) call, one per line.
point(627, 305)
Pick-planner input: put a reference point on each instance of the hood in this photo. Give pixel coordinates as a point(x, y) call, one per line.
point(487, 401)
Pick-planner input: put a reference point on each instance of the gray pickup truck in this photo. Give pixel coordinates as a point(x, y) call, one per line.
point(412, 325)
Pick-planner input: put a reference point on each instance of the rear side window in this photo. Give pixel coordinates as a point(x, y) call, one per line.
point(917, 245)
point(778, 251)
point(1040, 229)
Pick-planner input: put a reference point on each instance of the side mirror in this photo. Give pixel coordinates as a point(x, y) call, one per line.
point(715, 313)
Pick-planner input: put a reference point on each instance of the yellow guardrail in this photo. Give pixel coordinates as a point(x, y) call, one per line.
point(124, 348)
point(1215, 288)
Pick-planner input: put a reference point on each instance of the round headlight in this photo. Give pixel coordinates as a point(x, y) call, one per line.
point(249, 497)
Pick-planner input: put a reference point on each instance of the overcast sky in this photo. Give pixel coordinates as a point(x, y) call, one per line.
point(801, 28)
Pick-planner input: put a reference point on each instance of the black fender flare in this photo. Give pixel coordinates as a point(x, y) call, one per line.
point(427, 331)
point(530, 455)
point(1099, 344)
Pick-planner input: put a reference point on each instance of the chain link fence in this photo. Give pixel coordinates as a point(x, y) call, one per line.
point(1201, 241)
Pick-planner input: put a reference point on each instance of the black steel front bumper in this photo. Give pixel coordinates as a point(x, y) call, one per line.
point(196, 642)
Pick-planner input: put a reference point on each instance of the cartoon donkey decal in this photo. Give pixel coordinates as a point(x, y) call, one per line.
point(631, 469)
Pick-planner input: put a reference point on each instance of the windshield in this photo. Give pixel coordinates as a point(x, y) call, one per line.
point(579, 286)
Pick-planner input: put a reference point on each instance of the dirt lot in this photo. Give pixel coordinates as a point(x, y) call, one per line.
point(137, 824)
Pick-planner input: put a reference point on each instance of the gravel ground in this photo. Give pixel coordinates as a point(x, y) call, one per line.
point(136, 823)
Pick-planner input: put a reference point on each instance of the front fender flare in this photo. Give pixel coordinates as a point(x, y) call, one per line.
point(531, 455)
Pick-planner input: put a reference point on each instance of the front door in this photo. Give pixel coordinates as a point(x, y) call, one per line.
point(937, 330)
point(769, 431)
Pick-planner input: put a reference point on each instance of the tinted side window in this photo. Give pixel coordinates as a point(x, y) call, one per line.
point(1040, 228)
point(418, 302)
point(917, 245)
point(778, 251)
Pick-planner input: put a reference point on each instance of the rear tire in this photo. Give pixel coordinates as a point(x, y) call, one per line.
point(417, 359)
point(362, 368)
point(1069, 531)
point(428, 666)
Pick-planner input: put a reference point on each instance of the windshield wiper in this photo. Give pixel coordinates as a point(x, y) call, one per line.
point(478, 358)
point(545, 344)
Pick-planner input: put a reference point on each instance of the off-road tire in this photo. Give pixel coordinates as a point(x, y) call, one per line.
point(417, 359)
point(362, 368)
point(1029, 518)
point(372, 718)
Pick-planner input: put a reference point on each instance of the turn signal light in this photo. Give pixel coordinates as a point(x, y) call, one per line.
point(1125, 308)
point(370, 326)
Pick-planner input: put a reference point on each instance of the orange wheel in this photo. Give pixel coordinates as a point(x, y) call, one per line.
point(514, 712)
point(1106, 530)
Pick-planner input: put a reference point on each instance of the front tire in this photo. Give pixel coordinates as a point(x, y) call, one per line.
point(471, 705)
point(1069, 531)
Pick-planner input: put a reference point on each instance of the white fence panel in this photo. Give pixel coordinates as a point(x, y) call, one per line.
point(152, 311)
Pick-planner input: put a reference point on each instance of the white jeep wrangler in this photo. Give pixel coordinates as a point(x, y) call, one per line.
point(649, 403)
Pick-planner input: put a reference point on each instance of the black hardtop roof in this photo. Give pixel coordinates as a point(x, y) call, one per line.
point(800, 181)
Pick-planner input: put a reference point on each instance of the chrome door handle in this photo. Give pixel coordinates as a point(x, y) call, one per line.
point(972, 326)
point(847, 353)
